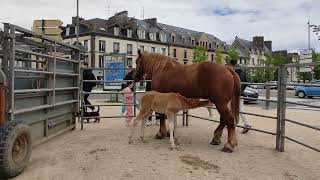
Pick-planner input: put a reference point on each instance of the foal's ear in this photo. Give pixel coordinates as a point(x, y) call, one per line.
point(139, 52)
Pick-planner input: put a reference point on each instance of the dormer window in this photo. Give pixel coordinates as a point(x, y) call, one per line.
point(141, 34)
point(163, 37)
point(129, 33)
point(153, 36)
point(116, 31)
point(183, 40)
point(172, 39)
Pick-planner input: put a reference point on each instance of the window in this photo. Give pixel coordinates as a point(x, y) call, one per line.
point(153, 49)
point(86, 58)
point(185, 54)
point(163, 37)
point(141, 48)
point(153, 36)
point(100, 61)
point(163, 51)
point(129, 33)
point(192, 42)
point(116, 47)
point(172, 39)
point(68, 31)
point(201, 43)
point(253, 61)
point(102, 46)
point(141, 34)
point(129, 62)
point(210, 46)
point(174, 52)
point(212, 57)
point(206, 45)
point(86, 45)
point(116, 31)
point(183, 40)
point(129, 48)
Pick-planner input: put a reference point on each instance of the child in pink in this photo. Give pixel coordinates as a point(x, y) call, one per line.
point(128, 99)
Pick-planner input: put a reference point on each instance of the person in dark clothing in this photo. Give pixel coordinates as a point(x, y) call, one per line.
point(87, 86)
point(243, 78)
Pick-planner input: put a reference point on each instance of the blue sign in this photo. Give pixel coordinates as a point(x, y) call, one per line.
point(114, 71)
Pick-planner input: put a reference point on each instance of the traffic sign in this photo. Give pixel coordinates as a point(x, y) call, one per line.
point(305, 57)
point(48, 31)
point(47, 23)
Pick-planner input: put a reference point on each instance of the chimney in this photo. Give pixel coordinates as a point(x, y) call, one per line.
point(258, 42)
point(152, 21)
point(268, 44)
point(74, 20)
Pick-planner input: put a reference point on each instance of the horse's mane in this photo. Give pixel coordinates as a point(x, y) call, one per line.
point(154, 62)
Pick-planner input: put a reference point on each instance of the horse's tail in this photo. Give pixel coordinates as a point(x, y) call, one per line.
point(235, 100)
point(191, 103)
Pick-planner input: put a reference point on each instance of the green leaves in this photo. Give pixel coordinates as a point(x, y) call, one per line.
point(218, 55)
point(201, 53)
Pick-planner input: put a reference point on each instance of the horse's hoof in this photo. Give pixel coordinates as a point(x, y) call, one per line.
point(142, 139)
point(176, 141)
point(215, 142)
point(159, 136)
point(228, 148)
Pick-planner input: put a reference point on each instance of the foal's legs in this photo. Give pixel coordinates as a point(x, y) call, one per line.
point(171, 119)
point(175, 132)
point(227, 118)
point(142, 114)
point(143, 125)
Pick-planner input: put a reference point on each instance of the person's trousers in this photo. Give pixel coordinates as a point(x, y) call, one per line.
point(86, 101)
point(243, 116)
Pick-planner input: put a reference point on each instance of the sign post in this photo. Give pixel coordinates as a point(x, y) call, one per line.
point(305, 57)
point(114, 70)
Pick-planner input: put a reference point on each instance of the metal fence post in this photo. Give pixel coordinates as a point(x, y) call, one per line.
point(267, 97)
point(187, 118)
point(183, 118)
point(134, 98)
point(81, 97)
point(283, 105)
point(280, 134)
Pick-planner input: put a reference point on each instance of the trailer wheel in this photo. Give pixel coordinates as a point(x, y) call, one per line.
point(15, 148)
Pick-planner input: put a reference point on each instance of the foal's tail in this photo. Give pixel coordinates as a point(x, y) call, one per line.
point(235, 100)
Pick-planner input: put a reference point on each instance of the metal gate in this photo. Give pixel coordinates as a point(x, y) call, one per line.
point(43, 78)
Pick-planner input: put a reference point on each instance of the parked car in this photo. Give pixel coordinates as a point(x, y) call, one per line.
point(290, 87)
point(251, 93)
point(308, 91)
point(275, 86)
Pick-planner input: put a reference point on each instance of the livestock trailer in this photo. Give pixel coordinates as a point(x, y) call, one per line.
point(39, 91)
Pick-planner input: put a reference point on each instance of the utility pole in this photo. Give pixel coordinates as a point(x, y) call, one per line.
point(309, 34)
point(142, 13)
point(77, 23)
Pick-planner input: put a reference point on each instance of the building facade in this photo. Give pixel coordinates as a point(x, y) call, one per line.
point(125, 35)
point(252, 53)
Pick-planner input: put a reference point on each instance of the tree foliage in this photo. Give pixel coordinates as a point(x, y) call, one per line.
point(218, 55)
point(201, 53)
point(316, 58)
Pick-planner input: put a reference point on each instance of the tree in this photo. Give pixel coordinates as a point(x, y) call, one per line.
point(316, 58)
point(233, 54)
point(201, 53)
point(218, 55)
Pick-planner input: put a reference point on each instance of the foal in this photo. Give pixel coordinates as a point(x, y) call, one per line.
point(166, 103)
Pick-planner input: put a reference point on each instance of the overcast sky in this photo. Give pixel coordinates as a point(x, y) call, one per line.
point(284, 22)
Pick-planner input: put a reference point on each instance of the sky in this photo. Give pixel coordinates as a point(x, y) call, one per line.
point(284, 22)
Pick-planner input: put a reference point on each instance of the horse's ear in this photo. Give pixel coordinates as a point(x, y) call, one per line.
point(139, 53)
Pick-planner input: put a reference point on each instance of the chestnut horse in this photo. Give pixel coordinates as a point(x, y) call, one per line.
point(207, 80)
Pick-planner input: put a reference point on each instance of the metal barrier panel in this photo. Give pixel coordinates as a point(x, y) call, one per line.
point(43, 82)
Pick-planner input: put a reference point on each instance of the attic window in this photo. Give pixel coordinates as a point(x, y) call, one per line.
point(141, 34)
point(116, 31)
point(129, 33)
point(152, 36)
point(163, 37)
